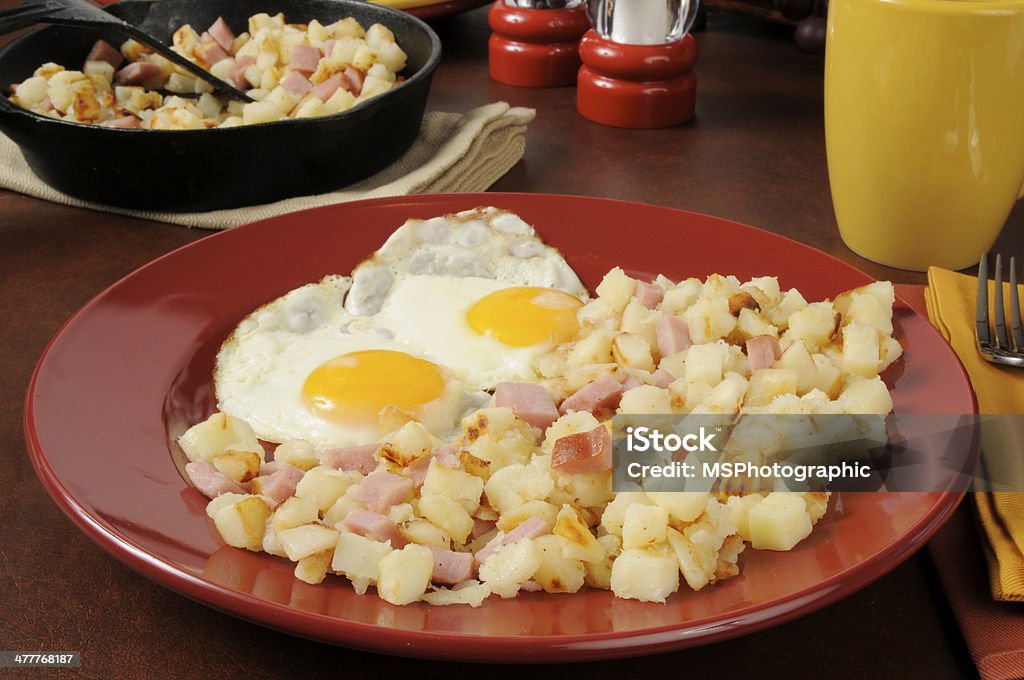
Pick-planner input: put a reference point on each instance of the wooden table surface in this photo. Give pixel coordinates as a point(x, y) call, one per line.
point(755, 153)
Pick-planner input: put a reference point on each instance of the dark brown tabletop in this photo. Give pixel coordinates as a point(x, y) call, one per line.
point(755, 153)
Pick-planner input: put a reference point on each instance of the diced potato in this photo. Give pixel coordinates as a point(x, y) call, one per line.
point(510, 566)
point(424, 532)
point(705, 363)
point(647, 575)
point(557, 573)
point(595, 348)
point(590, 490)
point(535, 508)
point(798, 359)
point(639, 320)
point(405, 574)
point(580, 543)
point(646, 399)
point(791, 302)
point(725, 397)
point(513, 485)
point(448, 515)
point(472, 593)
point(779, 522)
point(643, 526)
point(313, 568)
point(261, 112)
point(815, 324)
point(297, 452)
point(633, 351)
point(101, 69)
point(294, 512)
point(222, 501)
point(342, 507)
point(616, 289)
point(862, 351)
point(570, 423)
point(678, 299)
point(709, 319)
point(308, 539)
point(325, 485)
point(767, 383)
point(359, 558)
point(242, 523)
point(461, 487)
point(740, 507)
point(752, 323)
point(614, 515)
point(681, 506)
point(238, 466)
point(218, 433)
point(866, 397)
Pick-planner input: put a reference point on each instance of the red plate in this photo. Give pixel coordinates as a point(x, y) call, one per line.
point(132, 369)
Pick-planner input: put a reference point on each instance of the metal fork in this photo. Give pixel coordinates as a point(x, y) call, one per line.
point(82, 13)
point(996, 346)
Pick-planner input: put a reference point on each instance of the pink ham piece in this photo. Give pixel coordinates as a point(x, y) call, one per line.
point(529, 402)
point(280, 485)
point(673, 335)
point(381, 490)
point(417, 470)
point(583, 452)
point(763, 351)
point(211, 51)
point(210, 481)
point(481, 527)
point(329, 46)
point(103, 51)
point(123, 123)
point(373, 525)
point(326, 89)
point(220, 32)
point(629, 383)
point(304, 58)
point(600, 395)
point(237, 74)
point(296, 83)
point(530, 528)
point(451, 567)
point(353, 80)
point(136, 72)
point(359, 458)
point(663, 378)
point(648, 294)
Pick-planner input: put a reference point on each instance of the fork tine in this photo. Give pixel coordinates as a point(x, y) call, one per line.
point(1018, 333)
point(981, 306)
point(999, 313)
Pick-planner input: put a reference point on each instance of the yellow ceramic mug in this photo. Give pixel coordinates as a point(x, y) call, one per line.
point(924, 126)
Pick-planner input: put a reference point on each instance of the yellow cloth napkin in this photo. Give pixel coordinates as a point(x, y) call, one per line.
point(950, 299)
point(454, 153)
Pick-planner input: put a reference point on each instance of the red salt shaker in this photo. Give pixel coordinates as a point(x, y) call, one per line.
point(638, 64)
point(536, 45)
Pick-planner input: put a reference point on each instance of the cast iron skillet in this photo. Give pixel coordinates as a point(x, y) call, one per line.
point(198, 170)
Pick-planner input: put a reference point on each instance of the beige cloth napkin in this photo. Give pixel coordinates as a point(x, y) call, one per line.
point(453, 153)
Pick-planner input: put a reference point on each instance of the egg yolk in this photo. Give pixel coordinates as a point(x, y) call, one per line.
point(524, 316)
point(358, 385)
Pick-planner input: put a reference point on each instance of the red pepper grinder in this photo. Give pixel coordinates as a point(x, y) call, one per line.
point(535, 43)
point(638, 63)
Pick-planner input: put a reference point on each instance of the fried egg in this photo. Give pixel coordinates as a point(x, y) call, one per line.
point(446, 308)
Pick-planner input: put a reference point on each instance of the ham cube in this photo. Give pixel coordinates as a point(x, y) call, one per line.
point(210, 51)
point(123, 123)
point(103, 51)
point(329, 46)
point(663, 378)
point(220, 32)
point(353, 80)
point(530, 528)
point(296, 83)
point(447, 456)
point(361, 458)
point(648, 294)
point(763, 351)
point(304, 58)
point(583, 452)
point(323, 91)
point(529, 402)
point(210, 481)
point(136, 72)
point(451, 567)
point(280, 485)
point(373, 525)
point(381, 490)
point(598, 396)
point(673, 335)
